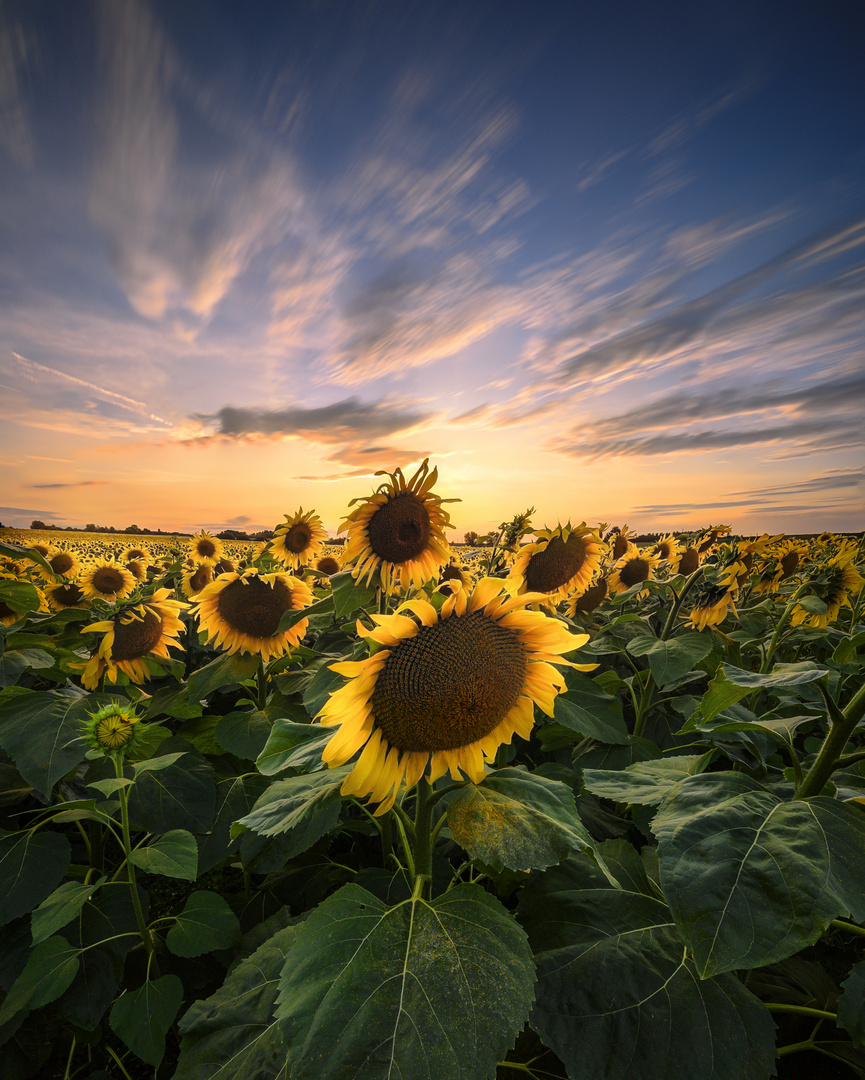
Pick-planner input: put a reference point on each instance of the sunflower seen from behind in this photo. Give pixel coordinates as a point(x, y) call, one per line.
point(241, 612)
point(445, 689)
point(298, 540)
point(561, 562)
point(396, 536)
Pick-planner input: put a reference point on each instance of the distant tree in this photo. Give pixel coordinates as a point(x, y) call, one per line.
point(37, 524)
point(470, 539)
point(265, 534)
point(90, 527)
point(134, 529)
point(232, 534)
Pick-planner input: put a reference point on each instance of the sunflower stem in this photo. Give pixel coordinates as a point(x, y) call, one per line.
point(423, 847)
point(130, 868)
point(261, 679)
point(848, 927)
point(831, 751)
point(677, 603)
point(386, 831)
point(800, 1010)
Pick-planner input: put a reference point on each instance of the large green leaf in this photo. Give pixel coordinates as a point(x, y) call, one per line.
point(518, 820)
point(851, 1004)
point(21, 596)
point(618, 998)
point(243, 732)
point(751, 879)
point(205, 923)
point(293, 616)
point(669, 660)
point(50, 968)
point(43, 734)
point(174, 854)
point(182, 796)
point(232, 1035)
point(292, 745)
point(423, 989)
point(142, 1017)
point(32, 865)
point(235, 796)
point(299, 810)
point(226, 670)
point(644, 782)
point(14, 662)
point(781, 677)
point(348, 596)
point(588, 708)
point(61, 907)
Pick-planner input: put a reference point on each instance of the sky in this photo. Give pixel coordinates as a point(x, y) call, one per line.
point(603, 260)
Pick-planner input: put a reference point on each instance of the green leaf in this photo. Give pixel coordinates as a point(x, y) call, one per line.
point(60, 908)
point(813, 604)
point(205, 923)
point(617, 996)
point(142, 1017)
point(113, 784)
point(155, 764)
point(669, 660)
point(847, 648)
point(348, 596)
point(751, 879)
point(293, 617)
point(180, 796)
point(719, 696)
point(244, 732)
point(851, 1005)
point(32, 865)
point(21, 596)
point(50, 968)
point(301, 809)
point(14, 662)
point(235, 796)
point(518, 820)
point(588, 708)
point(175, 854)
point(645, 782)
point(226, 670)
point(323, 684)
point(286, 738)
point(43, 734)
point(423, 989)
point(232, 1034)
point(781, 677)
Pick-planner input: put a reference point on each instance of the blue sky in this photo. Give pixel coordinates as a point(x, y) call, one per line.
point(603, 260)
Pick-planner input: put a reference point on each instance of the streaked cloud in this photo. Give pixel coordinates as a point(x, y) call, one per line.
point(74, 484)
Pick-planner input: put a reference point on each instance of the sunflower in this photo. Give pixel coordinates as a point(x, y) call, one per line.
point(713, 531)
point(137, 568)
point(710, 606)
point(327, 564)
point(67, 594)
point(451, 573)
point(135, 554)
point(195, 580)
point(111, 729)
point(206, 549)
point(224, 566)
point(299, 540)
point(447, 689)
point(131, 635)
point(106, 580)
point(621, 543)
point(397, 534)
point(562, 561)
point(688, 561)
point(635, 566)
point(789, 556)
point(241, 612)
point(839, 578)
point(668, 549)
point(63, 563)
point(593, 597)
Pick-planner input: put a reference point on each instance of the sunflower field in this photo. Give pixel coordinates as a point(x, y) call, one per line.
point(571, 803)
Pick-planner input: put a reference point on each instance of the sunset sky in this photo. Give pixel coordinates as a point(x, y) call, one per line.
point(607, 260)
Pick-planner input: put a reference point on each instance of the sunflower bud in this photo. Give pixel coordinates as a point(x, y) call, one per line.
point(111, 729)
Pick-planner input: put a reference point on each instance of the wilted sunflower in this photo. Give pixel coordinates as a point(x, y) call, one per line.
point(68, 594)
point(397, 534)
point(106, 580)
point(836, 580)
point(206, 549)
point(710, 606)
point(446, 691)
point(634, 567)
point(195, 580)
point(668, 549)
point(241, 612)
point(299, 540)
point(131, 635)
point(562, 561)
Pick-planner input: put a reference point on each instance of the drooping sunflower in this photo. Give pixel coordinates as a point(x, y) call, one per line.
point(593, 597)
point(397, 534)
point(635, 566)
point(562, 561)
point(711, 534)
point(106, 580)
point(621, 543)
point(835, 583)
point(205, 548)
point(195, 580)
point(130, 636)
point(711, 604)
point(299, 540)
point(668, 549)
point(447, 689)
point(67, 594)
point(688, 561)
point(241, 612)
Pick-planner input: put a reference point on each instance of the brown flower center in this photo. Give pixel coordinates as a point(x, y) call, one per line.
point(225, 566)
point(250, 606)
point(136, 568)
point(450, 685)
point(202, 576)
point(592, 597)
point(400, 529)
point(68, 595)
point(108, 581)
point(205, 548)
point(789, 563)
point(554, 567)
point(136, 638)
point(137, 554)
point(634, 571)
point(62, 562)
point(327, 565)
point(620, 546)
point(298, 538)
point(689, 562)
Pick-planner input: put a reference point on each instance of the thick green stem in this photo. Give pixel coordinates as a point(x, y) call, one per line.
point(423, 847)
point(801, 1010)
point(782, 622)
point(130, 868)
point(677, 603)
point(833, 746)
point(262, 686)
point(386, 828)
point(848, 927)
point(647, 690)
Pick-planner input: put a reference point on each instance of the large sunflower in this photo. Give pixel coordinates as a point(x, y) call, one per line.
point(241, 612)
point(299, 540)
point(447, 689)
point(206, 549)
point(635, 566)
point(63, 563)
point(135, 554)
point(106, 580)
point(562, 561)
point(131, 635)
point(65, 595)
point(397, 534)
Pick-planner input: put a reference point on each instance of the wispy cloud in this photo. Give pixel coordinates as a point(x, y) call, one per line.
point(15, 132)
